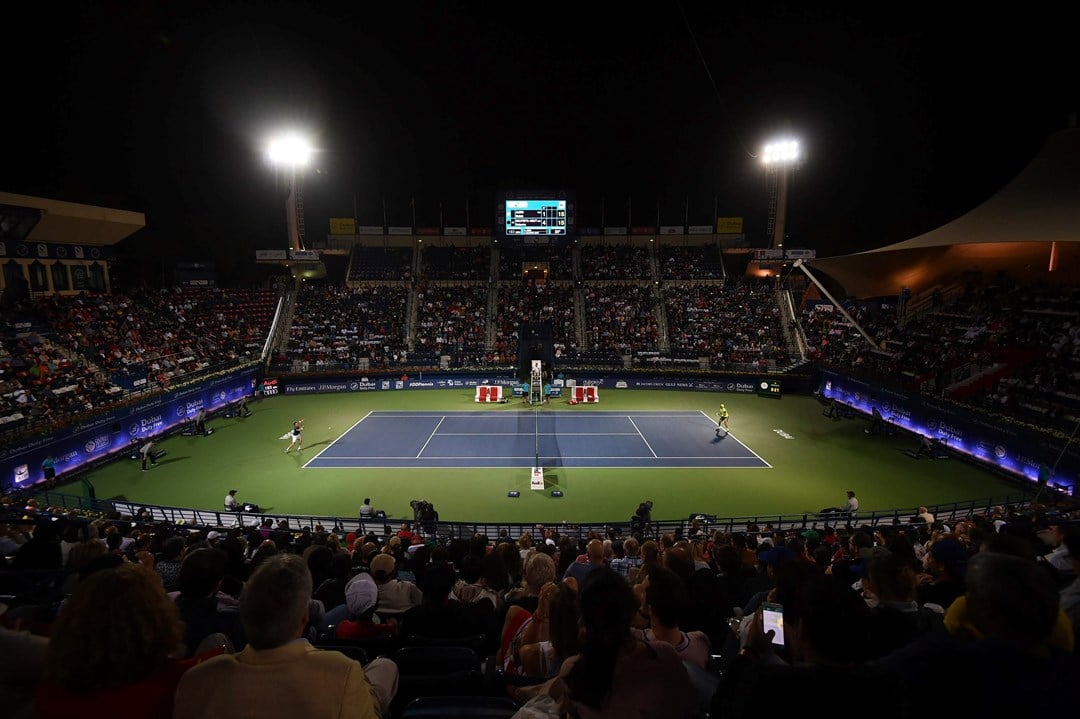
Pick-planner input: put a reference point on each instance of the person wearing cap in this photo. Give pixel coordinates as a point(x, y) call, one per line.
point(943, 581)
point(395, 596)
point(362, 597)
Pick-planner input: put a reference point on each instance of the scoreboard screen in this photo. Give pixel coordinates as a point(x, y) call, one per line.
point(769, 388)
point(530, 218)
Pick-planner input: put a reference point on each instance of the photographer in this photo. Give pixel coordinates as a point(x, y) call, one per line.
point(424, 516)
point(429, 519)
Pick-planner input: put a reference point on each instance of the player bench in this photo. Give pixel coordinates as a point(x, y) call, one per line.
point(584, 394)
point(489, 393)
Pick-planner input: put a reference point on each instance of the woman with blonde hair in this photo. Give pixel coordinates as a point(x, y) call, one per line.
point(650, 557)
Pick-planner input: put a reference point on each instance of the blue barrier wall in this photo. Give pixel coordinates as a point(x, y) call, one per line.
point(116, 431)
point(1018, 449)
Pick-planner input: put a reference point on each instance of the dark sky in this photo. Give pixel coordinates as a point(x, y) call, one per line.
point(908, 119)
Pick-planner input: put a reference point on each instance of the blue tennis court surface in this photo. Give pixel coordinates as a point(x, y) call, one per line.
point(511, 439)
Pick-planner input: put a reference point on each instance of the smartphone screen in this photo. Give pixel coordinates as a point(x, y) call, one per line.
point(772, 618)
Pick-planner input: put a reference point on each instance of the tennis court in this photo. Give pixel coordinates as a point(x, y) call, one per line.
point(657, 439)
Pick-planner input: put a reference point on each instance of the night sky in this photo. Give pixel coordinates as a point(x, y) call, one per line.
point(908, 120)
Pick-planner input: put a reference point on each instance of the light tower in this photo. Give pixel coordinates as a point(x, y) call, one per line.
point(781, 158)
point(291, 153)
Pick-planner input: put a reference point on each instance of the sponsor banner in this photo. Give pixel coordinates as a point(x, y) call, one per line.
point(369, 230)
point(768, 254)
point(362, 385)
point(120, 430)
point(643, 230)
point(615, 231)
point(270, 255)
point(428, 231)
point(590, 231)
point(740, 385)
point(699, 230)
point(455, 231)
point(801, 254)
point(398, 230)
point(671, 230)
point(1016, 449)
point(54, 251)
point(480, 231)
point(729, 225)
point(365, 384)
point(342, 226)
point(305, 255)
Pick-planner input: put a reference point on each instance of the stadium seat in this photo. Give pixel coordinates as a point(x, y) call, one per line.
point(436, 671)
point(352, 651)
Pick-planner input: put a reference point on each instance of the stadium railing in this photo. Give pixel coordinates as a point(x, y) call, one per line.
point(709, 523)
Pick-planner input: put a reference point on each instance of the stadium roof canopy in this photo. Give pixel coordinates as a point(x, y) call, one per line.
point(1034, 218)
point(34, 219)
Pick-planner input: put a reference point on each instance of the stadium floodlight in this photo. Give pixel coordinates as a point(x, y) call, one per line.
point(781, 152)
point(780, 158)
point(291, 152)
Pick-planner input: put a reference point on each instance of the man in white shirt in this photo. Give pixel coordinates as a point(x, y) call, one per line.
point(231, 504)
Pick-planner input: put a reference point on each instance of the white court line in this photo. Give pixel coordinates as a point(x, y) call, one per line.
point(429, 437)
point(559, 414)
point(561, 456)
point(729, 434)
point(327, 447)
point(542, 434)
point(642, 437)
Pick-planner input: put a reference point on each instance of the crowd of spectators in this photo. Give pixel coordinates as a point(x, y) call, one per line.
point(621, 318)
point(671, 624)
point(690, 263)
point(158, 335)
point(62, 356)
point(452, 320)
point(384, 264)
point(521, 303)
point(453, 263)
point(1006, 347)
point(40, 387)
point(337, 326)
point(514, 261)
point(616, 262)
point(738, 322)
